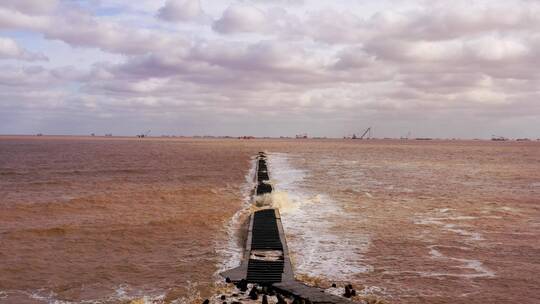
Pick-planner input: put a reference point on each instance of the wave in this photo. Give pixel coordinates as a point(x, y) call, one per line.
point(317, 250)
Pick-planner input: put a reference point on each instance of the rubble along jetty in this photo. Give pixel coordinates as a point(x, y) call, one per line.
point(266, 260)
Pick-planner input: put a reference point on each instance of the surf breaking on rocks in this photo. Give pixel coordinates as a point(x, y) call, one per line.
point(266, 267)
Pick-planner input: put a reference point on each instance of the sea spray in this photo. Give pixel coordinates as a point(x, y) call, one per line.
point(230, 252)
point(308, 219)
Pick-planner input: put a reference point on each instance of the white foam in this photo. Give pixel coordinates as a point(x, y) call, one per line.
point(122, 293)
point(230, 252)
point(475, 236)
point(308, 219)
point(479, 270)
point(440, 221)
point(477, 266)
point(192, 295)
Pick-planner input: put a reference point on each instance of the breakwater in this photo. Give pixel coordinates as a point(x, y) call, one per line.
point(266, 266)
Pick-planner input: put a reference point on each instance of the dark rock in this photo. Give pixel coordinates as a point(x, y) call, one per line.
point(206, 301)
point(242, 285)
point(235, 295)
point(253, 293)
point(353, 292)
point(228, 280)
point(350, 286)
point(265, 299)
point(222, 297)
point(263, 188)
point(280, 299)
point(224, 302)
point(347, 293)
point(235, 302)
point(334, 285)
point(298, 300)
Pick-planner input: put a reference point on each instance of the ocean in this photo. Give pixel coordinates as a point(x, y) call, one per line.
point(154, 220)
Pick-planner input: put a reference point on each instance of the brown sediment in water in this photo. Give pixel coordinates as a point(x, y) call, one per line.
point(84, 218)
point(114, 219)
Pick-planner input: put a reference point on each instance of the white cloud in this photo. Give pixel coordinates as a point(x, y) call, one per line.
point(9, 49)
point(241, 19)
point(181, 11)
point(34, 7)
point(10, 19)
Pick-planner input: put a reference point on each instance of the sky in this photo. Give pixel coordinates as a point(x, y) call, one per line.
point(428, 68)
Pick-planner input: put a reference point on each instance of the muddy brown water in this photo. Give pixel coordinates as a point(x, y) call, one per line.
point(112, 220)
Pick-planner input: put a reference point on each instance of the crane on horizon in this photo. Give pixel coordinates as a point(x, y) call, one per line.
point(368, 130)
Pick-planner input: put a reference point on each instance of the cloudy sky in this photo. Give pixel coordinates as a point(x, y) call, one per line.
point(271, 67)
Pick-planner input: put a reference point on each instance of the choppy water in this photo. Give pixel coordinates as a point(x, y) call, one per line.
point(118, 220)
point(319, 244)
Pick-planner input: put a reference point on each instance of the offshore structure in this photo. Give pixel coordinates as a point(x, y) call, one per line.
point(498, 138)
point(143, 135)
point(366, 132)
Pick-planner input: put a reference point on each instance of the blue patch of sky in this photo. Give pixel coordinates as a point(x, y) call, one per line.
point(60, 53)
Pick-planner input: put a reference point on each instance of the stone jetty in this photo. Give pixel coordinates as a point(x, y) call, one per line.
point(266, 268)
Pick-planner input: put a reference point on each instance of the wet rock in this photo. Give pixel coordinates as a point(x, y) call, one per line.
point(347, 293)
point(253, 293)
point(242, 285)
point(263, 188)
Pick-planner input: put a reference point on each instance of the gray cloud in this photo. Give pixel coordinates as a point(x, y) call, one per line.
point(241, 19)
point(34, 7)
point(322, 69)
point(181, 11)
